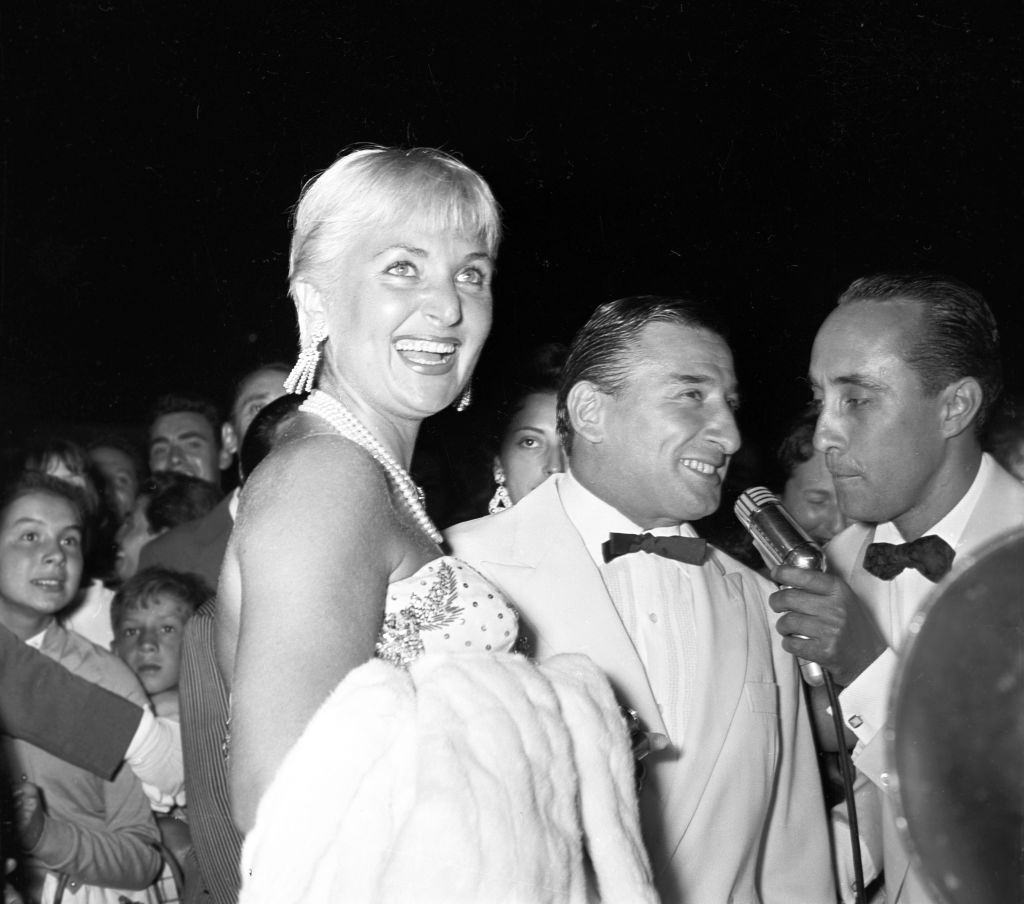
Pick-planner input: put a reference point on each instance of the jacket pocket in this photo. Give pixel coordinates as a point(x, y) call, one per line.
point(762, 696)
point(763, 706)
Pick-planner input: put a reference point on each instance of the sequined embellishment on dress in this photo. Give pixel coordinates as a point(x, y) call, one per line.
point(400, 640)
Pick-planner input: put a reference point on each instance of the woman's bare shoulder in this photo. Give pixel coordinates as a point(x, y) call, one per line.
point(313, 472)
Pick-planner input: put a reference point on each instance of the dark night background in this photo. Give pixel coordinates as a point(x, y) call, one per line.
point(760, 154)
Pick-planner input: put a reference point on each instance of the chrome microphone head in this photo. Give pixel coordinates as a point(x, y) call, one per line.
point(780, 541)
point(777, 537)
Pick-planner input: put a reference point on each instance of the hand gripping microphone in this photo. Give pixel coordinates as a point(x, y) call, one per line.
point(781, 541)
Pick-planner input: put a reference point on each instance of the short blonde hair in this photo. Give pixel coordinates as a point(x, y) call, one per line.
point(378, 186)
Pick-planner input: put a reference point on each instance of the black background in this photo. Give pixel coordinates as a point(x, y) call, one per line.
point(761, 154)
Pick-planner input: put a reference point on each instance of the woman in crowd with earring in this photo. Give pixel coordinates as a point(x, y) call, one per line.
point(383, 741)
point(529, 450)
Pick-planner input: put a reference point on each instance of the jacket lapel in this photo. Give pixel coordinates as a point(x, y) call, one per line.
point(562, 597)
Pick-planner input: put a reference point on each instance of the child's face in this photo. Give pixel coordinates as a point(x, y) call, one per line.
point(40, 560)
point(149, 640)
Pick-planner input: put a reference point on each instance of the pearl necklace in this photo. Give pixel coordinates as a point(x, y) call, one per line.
point(348, 425)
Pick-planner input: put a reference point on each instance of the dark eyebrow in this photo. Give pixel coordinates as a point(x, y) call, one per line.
point(859, 380)
point(191, 434)
point(25, 519)
point(731, 392)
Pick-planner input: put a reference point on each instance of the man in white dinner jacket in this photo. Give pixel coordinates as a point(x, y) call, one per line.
point(904, 372)
point(731, 806)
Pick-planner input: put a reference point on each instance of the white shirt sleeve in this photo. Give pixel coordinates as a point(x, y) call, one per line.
point(154, 754)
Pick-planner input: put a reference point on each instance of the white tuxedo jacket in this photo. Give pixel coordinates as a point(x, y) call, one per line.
point(1000, 508)
point(737, 814)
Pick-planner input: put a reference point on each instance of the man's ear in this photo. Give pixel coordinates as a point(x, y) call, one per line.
point(585, 404)
point(229, 443)
point(310, 310)
point(961, 402)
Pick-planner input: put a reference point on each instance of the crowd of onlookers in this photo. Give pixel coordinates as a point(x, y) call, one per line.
point(82, 576)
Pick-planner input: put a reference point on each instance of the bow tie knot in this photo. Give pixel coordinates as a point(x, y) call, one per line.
point(931, 556)
point(691, 550)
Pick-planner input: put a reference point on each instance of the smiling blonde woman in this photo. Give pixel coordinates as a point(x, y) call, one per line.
point(384, 741)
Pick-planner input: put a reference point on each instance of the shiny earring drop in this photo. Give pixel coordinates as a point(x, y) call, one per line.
point(303, 374)
point(466, 399)
point(501, 499)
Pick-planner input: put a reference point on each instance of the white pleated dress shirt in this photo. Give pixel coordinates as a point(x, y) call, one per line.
point(653, 596)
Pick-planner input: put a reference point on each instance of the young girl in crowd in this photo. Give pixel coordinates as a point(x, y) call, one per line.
point(69, 462)
point(83, 838)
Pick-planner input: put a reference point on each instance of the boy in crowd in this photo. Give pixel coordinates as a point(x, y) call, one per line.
point(148, 616)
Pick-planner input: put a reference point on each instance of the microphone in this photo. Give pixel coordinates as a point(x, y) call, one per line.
point(780, 541)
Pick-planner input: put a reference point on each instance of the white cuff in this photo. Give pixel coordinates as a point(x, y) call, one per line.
point(865, 703)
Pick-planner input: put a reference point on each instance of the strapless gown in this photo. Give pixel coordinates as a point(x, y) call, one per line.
point(450, 770)
point(445, 607)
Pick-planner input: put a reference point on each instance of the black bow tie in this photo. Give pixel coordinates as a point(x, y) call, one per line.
point(930, 555)
point(691, 550)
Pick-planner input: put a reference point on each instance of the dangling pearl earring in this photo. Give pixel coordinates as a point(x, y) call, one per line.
point(303, 374)
point(501, 499)
point(466, 399)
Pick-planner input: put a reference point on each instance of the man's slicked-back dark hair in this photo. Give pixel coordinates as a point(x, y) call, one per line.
point(600, 353)
point(263, 432)
point(959, 338)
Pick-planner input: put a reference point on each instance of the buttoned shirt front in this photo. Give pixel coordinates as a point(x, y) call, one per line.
point(653, 596)
point(865, 702)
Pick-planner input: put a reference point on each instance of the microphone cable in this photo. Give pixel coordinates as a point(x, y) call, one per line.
point(781, 541)
point(846, 771)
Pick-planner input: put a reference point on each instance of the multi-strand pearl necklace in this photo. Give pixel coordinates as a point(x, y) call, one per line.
point(348, 425)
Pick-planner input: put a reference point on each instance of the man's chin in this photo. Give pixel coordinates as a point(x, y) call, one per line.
point(859, 508)
point(695, 512)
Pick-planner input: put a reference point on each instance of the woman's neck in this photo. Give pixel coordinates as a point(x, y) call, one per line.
point(397, 435)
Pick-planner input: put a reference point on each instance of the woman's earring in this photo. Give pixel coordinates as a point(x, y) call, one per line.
point(466, 399)
point(303, 374)
point(501, 499)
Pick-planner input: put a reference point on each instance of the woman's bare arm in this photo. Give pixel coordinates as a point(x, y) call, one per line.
point(316, 543)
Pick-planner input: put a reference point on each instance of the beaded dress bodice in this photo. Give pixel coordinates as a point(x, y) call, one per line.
point(445, 607)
